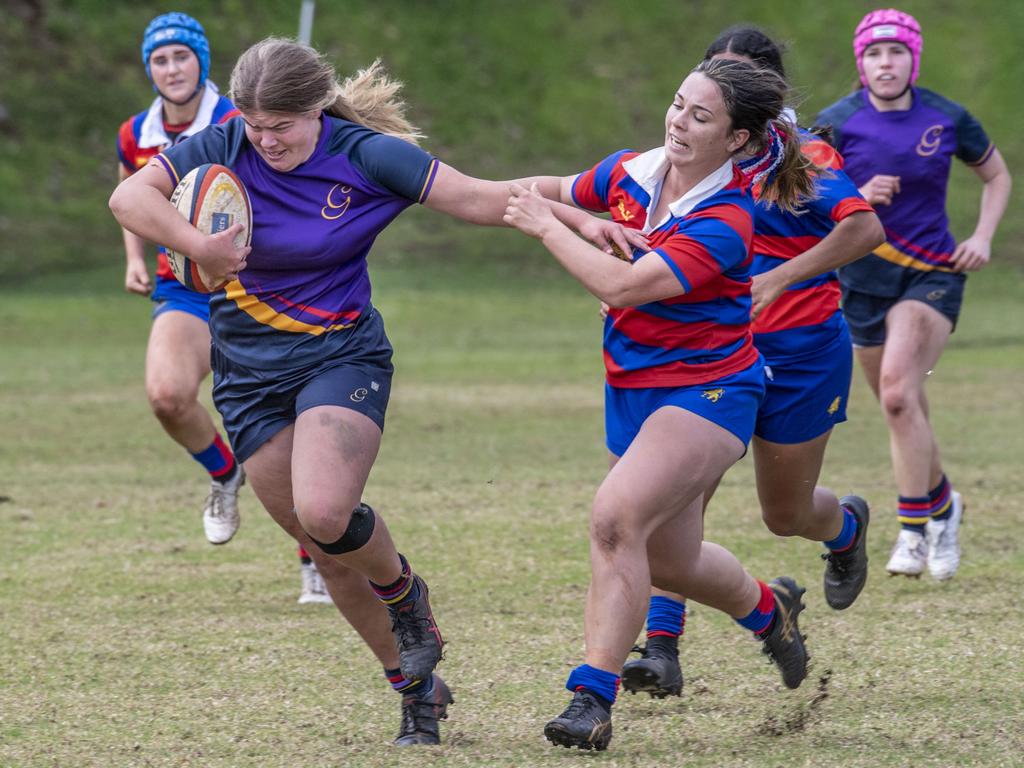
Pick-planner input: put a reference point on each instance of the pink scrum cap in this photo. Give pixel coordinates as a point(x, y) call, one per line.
point(888, 24)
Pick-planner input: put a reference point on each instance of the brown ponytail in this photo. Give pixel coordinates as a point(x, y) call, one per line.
point(283, 76)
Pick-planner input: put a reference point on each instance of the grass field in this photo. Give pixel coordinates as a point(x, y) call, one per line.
point(129, 641)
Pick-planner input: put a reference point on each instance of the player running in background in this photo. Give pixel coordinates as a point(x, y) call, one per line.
point(176, 55)
point(799, 329)
point(903, 299)
point(684, 379)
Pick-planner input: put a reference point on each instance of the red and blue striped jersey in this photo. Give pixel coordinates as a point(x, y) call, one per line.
point(806, 317)
point(141, 137)
point(704, 333)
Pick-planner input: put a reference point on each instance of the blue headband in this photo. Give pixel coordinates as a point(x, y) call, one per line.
point(180, 28)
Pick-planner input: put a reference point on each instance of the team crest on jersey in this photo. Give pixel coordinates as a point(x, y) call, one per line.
point(714, 395)
point(930, 141)
point(338, 201)
point(835, 406)
point(626, 215)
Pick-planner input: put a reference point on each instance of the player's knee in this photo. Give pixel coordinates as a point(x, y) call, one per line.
point(780, 520)
point(895, 399)
point(169, 405)
point(323, 530)
point(609, 530)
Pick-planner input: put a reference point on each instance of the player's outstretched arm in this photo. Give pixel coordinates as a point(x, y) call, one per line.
point(479, 201)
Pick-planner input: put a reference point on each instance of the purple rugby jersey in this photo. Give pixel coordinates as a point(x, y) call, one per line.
point(306, 279)
point(918, 145)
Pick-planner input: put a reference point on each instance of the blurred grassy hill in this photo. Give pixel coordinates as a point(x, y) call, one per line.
point(501, 88)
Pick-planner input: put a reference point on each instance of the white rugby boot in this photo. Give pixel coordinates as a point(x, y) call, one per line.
point(944, 542)
point(313, 588)
point(220, 513)
point(909, 555)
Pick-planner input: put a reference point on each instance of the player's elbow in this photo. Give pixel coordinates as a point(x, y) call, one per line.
point(118, 202)
point(875, 233)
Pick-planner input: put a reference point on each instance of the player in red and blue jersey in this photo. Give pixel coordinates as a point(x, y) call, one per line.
point(799, 329)
point(684, 380)
point(176, 55)
point(903, 299)
point(301, 361)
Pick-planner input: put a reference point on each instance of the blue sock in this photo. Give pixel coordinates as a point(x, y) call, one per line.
point(665, 617)
point(600, 683)
point(846, 536)
point(759, 620)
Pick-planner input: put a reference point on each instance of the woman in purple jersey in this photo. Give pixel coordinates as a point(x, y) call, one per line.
point(302, 366)
point(176, 55)
point(806, 393)
point(679, 406)
point(902, 301)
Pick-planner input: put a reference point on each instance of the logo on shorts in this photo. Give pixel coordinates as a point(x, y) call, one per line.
point(359, 395)
point(935, 295)
point(835, 406)
point(930, 141)
point(714, 395)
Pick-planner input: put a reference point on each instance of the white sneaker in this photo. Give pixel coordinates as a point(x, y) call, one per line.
point(909, 555)
point(220, 513)
point(313, 588)
point(944, 542)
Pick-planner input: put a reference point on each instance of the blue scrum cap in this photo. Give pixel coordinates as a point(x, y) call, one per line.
point(180, 28)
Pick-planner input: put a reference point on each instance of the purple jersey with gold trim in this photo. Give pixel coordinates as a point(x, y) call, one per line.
point(918, 145)
point(704, 333)
point(306, 279)
point(806, 317)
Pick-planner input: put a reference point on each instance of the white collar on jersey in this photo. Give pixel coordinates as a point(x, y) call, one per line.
point(153, 134)
point(649, 169)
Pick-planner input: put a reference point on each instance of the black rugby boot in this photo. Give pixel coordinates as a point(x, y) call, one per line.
point(421, 713)
point(657, 670)
point(416, 633)
point(847, 571)
point(586, 723)
point(784, 644)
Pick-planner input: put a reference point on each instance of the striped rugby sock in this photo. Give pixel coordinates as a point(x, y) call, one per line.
point(914, 512)
point(401, 589)
point(759, 621)
point(403, 685)
point(941, 497)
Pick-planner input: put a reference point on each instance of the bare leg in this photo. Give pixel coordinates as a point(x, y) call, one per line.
point(269, 470)
point(177, 360)
point(792, 503)
point(658, 479)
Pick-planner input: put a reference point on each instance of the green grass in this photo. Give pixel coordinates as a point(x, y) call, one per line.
point(129, 641)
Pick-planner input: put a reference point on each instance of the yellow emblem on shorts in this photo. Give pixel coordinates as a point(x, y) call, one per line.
point(714, 395)
point(835, 406)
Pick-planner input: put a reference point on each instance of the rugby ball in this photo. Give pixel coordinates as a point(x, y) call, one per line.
point(212, 198)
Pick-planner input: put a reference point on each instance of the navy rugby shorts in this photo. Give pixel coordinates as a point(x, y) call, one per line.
point(257, 404)
point(865, 313)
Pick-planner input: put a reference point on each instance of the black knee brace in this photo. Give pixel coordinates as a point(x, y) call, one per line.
point(358, 532)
